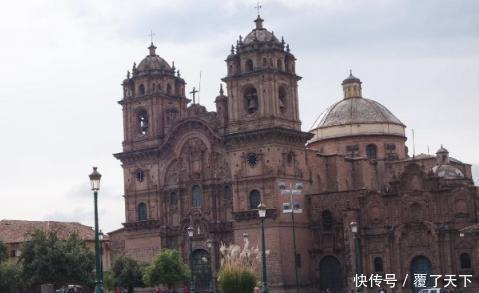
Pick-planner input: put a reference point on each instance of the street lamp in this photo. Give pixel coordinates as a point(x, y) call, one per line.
point(354, 229)
point(95, 177)
point(190, 231)
point(101, 254)
point(262, 216)
point(209, 243)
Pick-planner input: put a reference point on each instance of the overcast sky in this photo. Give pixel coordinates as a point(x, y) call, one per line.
point(62, 62)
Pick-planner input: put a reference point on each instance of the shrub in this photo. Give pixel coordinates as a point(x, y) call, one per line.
point(238, 266)
point(237, 280)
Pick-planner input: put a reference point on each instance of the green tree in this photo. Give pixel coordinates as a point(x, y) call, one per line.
point(127, 273)
point(9, 277)
point(167, 269)
point(46, 259)
point(108, 281)
point(3, 252)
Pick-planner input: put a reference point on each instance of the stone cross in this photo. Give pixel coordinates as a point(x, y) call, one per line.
point(194, 91)
point(258, 7)
point(151, 36)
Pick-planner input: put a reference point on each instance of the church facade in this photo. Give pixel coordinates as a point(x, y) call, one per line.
point(365, 205)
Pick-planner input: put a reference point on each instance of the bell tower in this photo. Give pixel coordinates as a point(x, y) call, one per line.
point(265, 147)
point(262, 83)
point(153, 99)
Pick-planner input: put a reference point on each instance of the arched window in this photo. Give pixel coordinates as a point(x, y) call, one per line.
point(142, 212)
point(371, 151)
point(265, 62)
point(142, 89)
point(249, 65)
point(196, 196)
point(279, 64)
point(140, 175)
point(142, 120)
point(327, 218)
point(173, 198)
point(251, 100)
point(159, 87)
point(230, 69)
point(168, 89)
point(282, 99)
point(153, 87)
point(465, 259)
point(378, 265)
point(227, 193)
point(254, 199)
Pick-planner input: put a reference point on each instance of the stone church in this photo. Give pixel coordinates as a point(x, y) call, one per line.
point(186, 166)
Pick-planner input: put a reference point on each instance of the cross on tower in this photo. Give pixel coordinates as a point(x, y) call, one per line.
point(151, 36)
point(258, 7)
point(194, 91)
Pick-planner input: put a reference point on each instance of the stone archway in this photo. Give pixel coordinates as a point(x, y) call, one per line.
point(420, 265)
point(330, 274)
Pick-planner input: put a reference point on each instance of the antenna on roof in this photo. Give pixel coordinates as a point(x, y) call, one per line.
point(413, 144)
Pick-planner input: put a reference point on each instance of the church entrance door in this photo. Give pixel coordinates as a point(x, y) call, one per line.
point(420, 265)
point(330, 275)
point(202, 270)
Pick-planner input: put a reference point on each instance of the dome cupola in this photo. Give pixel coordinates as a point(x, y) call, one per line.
point(259, 37)
point(443, 168)
point(352, 86)
point(355, 115)
point(153, 63)
point(153, 76)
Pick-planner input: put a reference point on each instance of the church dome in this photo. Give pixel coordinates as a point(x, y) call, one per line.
point(355, 115)
point(356, 111)
point(260, 34)
point(447, 172)
point(153, 62)
point(444, 168)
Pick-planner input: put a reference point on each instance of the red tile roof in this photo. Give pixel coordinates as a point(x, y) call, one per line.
point(17, 231)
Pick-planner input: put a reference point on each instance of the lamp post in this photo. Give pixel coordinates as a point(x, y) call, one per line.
point(190, 231)
point(209, 243)
point(95, 177)
point(101, 254)
point(354, 229)
point(262, 216)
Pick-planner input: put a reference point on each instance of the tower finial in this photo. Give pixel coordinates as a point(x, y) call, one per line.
point(350, 72)
point(152, 47)
point(151, 36)
point(258, 20)
point(221, 89)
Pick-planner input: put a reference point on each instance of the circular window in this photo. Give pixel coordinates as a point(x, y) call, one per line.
point(252, 159)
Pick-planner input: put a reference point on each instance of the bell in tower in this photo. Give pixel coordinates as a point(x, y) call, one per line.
point(252, 100)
